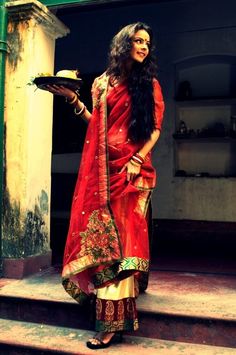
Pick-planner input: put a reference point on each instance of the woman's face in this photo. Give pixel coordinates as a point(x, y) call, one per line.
point(140, 46)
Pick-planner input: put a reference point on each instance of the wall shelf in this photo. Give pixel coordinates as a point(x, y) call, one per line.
point(209, 145)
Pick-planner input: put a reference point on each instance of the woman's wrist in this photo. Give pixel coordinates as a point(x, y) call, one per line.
point(138, 158)
point(134, 163)
point(72, 100)
point(80, 108)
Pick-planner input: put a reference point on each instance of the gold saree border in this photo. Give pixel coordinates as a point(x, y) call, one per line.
point(104, 277)
point(76, 266)
point(74, 291)
point(115, 267)
point(119, 326)
point(113, 272)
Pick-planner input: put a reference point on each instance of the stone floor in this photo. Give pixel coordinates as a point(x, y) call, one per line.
point(67, 341)
point(182, 293)
point(200, 295)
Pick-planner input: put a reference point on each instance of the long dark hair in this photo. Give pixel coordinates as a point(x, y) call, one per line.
point(139, 80)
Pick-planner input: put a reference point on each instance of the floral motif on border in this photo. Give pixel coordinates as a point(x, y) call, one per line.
point(100, 239)
point(116, 315)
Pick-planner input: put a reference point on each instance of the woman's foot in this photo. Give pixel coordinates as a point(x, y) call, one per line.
point(102, 340)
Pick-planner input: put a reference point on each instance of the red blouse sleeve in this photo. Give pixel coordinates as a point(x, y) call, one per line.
point(159, 104)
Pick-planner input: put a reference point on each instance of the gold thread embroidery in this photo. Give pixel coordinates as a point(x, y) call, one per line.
point(98, 309)
point(121, 310)
point(100, 238)
point(109, 311)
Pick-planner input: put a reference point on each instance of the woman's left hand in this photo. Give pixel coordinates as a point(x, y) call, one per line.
point(132, 170)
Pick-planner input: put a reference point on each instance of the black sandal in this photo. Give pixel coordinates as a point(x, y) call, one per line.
point(100, 344)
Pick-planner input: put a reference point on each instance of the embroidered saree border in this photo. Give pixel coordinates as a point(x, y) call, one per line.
point(108, 274)
point(102, 145)
point(143, 202)
point(112, 272)
point(127, 264)
point(116, 315)
point(81, 264)
point(104, 188)
point(144, 184)
point(74, 291)
point(116, 326)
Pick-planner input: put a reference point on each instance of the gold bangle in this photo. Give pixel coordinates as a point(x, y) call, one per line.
point(73, 100)
point(81, 111)
point(141, 155)
point(137, 159)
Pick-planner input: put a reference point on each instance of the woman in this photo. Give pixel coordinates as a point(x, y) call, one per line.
point(107, 246)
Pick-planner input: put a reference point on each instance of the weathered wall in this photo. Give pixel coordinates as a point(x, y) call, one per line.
point(183, 30)
point(28, 131)
point(26, 217)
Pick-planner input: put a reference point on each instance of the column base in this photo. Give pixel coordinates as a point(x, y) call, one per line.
point(20, 268)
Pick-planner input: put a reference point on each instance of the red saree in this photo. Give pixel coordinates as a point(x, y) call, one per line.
point(108, 238)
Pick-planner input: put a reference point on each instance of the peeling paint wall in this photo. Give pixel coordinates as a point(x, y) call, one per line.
point(15, 41)
point(24, 233)
point(28, 135)
point(28, 144)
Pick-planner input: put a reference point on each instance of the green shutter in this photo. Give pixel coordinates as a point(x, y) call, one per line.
point(51, 3)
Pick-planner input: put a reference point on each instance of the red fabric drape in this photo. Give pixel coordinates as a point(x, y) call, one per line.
point(108, 237)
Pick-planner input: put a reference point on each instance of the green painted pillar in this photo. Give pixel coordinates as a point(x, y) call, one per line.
point(3, 52)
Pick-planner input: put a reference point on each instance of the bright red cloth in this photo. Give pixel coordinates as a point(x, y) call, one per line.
point(108, 236)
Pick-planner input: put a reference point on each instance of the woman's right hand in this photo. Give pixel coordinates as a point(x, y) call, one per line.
point(71, 97)
point(61, 91)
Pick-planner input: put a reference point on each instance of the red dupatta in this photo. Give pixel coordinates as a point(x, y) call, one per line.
point(94, 244)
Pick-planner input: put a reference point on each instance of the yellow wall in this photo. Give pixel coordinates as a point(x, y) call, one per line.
point(28, 123)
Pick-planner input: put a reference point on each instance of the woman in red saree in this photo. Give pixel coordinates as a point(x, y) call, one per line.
point(107, 246)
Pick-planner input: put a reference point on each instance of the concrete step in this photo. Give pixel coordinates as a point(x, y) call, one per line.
point(194, 308)
point(23, 338)
point(41, 298)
